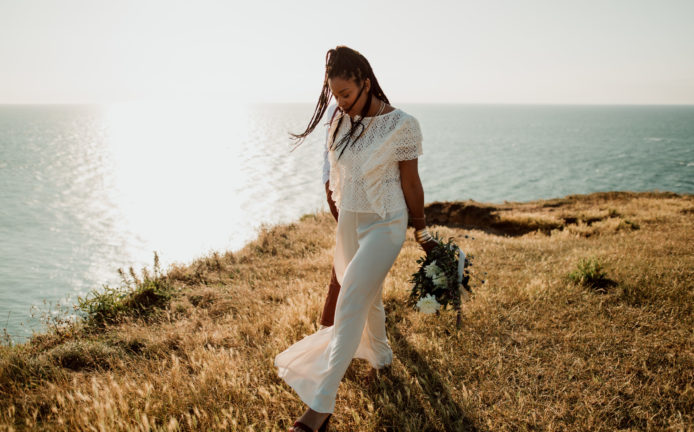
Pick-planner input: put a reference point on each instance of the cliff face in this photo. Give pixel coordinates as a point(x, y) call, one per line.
point(516, 219)
point(192, 348)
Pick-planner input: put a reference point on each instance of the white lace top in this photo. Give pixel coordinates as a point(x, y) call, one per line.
point(366, 178)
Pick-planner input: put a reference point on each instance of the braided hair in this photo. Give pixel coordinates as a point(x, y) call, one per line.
point(345, 63)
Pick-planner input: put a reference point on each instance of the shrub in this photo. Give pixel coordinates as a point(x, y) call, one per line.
point(590, 273)
point(137, 298)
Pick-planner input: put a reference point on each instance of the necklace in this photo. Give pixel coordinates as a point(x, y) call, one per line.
point(380, 110)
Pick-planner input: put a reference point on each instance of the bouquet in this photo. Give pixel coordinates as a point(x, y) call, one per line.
point(442, 278)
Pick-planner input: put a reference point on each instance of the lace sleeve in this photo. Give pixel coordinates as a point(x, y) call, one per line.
point(408, 142)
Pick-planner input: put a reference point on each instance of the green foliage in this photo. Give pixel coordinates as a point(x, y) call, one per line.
point(134, 298)
point(590, 273)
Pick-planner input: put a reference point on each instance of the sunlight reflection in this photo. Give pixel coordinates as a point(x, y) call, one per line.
point(177, 173)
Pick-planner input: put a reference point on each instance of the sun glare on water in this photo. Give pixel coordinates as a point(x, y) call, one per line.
point(177, 174)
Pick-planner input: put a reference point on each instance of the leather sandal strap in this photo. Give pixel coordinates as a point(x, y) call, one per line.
point(302, 426)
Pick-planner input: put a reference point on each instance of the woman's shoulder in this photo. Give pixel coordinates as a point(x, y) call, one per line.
point(405, 119)
point(401, 115)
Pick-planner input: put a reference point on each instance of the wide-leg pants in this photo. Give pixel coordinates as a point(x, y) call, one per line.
point(366, 247)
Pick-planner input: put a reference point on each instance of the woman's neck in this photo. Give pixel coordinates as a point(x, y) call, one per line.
point(375, 107)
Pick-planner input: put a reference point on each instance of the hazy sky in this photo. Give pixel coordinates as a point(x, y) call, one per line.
point(486, 51)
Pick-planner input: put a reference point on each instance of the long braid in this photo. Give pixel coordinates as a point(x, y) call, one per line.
point(319, 111)
point(346, 63)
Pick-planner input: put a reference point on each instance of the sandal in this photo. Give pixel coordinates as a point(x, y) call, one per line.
point(304, 427)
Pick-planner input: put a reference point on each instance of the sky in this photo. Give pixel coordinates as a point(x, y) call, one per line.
point(485, 51)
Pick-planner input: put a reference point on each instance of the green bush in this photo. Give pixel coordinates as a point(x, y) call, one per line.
point(136, 298)
point(590, 273)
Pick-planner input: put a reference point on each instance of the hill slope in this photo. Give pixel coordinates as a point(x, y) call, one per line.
point(193, 349)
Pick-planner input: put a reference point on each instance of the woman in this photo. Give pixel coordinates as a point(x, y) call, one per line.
point(373, 149)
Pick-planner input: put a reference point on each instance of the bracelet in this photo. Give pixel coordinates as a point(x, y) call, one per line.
point(425, 240)
point(422, 236)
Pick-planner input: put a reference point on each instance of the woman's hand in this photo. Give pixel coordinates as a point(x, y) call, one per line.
point(429, 245)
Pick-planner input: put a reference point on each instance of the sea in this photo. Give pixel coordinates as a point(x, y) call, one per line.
point(86, 190)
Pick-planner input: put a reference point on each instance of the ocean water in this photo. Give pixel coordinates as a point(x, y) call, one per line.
point(85, 190)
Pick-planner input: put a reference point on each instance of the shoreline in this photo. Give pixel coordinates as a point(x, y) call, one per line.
point(472, 214)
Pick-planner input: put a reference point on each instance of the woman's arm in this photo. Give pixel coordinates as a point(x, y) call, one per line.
point(413, 191)
point(331, 203)
point(414, 197)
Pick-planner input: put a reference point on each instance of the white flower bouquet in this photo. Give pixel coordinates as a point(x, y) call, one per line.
point(442, 278)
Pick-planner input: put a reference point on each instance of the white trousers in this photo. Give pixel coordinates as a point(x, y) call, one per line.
point(366, 247)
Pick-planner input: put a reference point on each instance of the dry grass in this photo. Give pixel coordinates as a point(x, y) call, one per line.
point(536, 351)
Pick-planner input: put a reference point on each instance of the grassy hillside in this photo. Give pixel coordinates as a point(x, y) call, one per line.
point(192, 348)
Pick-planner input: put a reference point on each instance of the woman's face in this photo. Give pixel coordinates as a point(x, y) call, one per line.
point(346, 92)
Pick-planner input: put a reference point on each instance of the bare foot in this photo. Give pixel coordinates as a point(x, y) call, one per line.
point(313, 419)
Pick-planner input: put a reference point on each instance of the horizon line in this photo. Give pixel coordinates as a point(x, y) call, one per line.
point(259, 102)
